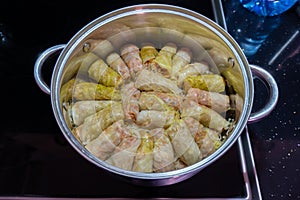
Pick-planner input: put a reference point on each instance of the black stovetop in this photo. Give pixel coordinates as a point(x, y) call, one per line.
point(37, 161)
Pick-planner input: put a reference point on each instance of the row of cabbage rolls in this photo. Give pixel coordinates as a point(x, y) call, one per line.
point(146, 109)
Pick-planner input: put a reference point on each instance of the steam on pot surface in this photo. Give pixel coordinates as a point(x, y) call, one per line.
point(153, 93)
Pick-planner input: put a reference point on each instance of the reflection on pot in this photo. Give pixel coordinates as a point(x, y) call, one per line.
point(247, 28)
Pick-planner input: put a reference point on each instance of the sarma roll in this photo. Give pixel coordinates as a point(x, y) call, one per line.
point(94, 91)
point(183, 143)
point(115, 61)
point(143, 161)
point(205, 116)
point(102, 73)
point(163, 153)
point(103, 146)
point(124, 154)
point(93, 125)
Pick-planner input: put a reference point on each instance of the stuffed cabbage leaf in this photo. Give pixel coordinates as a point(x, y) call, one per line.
point(102, 73)
point(216, 101)
point(152, 81)
point(103, 145)
point(183, 143)
point(93, 125)
point(115, 61)
point(205, 116)
point(94, 91)
point(209, 82)
point(124, 154)
point(82, 109)
point(163, 153)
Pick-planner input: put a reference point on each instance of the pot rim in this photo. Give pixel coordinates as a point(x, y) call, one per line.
point(56, 83)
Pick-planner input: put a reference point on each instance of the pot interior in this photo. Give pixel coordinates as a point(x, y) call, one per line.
point(152, 89)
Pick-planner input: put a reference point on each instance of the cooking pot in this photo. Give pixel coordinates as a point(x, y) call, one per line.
point(158, 24)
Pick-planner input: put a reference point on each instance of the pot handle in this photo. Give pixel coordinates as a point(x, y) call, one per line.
point(38, 66)
point(270, 82)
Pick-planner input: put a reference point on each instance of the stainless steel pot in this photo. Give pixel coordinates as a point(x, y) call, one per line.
point(157, 23)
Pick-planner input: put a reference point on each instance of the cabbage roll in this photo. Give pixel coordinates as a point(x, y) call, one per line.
point(67, 109)
point(150, 119)
point(237, 103)
point(163, 153)
point(209, 82)
point(216, 101)
point(103, 145)
point(66, 90)
point(80, 64)
point(102, 73)
point(82, 109)
point(164, 58)
point(152, 81)
point(208, 140)
point(130, 96)
point(131, 56)
point(149, 101)
point(124, 154)
point(143, 161)
point(93, 125)
point(205, 116)
point(148, 54)
point(183, 143)
point(94, 91)
point(172, 100)
point(192, 69)
point(182, 57)
point(234, 79)
point(116, 63)
point(192, 124)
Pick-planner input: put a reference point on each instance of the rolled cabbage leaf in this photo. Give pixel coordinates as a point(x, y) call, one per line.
point(79, 64)
point(208, 140)
point(237, 103)
point(163, 153)
point(206, 116)
point(151, 119)
point(143, 161)
point(115, 61)
point(103, 145)
point(148, 54)
point(94, 91)
point(152, 81)
point(192, 69)
point(209, 82)
point(183, 143)
point(124, 154)
point(82, 109)
point(164, 58)
point(216, 101)
point(93, 125)
point(102, 73)
point(234, 79)
point(130, 97)
point(149, 101)
point(67, 90)
point(172, 100)
point(131, 56)
point(182, 57)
